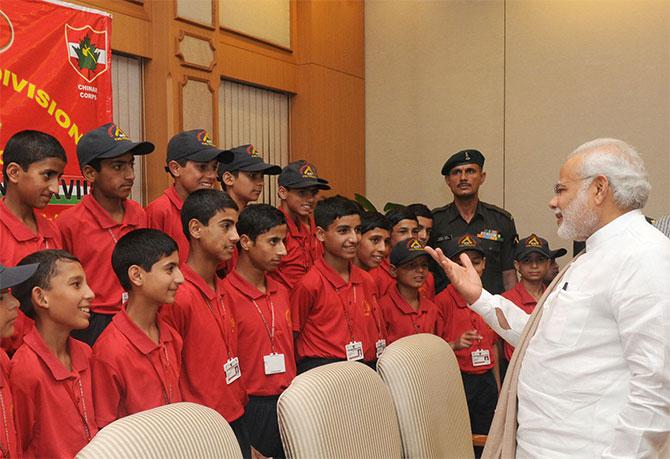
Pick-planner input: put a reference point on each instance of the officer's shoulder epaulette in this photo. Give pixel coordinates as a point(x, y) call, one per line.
point(442, 209)
point(495, 208)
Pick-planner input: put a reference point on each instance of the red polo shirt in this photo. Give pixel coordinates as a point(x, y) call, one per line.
point(458, 319)
point(90, 234)
point(302, 251)
point(54, 406)
point(383, 277)
point(519, 296)
point(400, 319)
point(8, 438)
point(209, 332)
point(17, 241)
point(329, 313)
point(131, 373)
point(428, 288)
point(254, 329)
point(164, 213)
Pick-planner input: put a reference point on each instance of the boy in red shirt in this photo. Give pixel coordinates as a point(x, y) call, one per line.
point(91, 228)
point(50, 374)
point(405, 311)
point(375, 243)
point(192, 161)
point(33, 163)
point(333, 306)
point(299, 186)
point(473, 341)
point(137, 359)
point(210, 370)
point(403, 226)
point(531, 260)
point(424, 218)
point(261, 308)
point(9, 277)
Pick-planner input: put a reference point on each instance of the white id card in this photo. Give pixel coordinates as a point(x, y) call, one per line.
point(380, 345)
point(274, 363)
point(354, 350)
point(232, 369)
point(481, 357)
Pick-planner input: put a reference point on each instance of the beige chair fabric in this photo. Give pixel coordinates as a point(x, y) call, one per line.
point(340, 410)
point(179, 430)
point(422, 374)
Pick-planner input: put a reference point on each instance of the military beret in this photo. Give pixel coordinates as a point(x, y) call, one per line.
point(463, 157)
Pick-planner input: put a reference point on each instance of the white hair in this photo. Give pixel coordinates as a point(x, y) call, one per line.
point(623, 167)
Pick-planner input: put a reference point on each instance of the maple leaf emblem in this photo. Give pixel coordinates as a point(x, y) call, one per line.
point(87, 54)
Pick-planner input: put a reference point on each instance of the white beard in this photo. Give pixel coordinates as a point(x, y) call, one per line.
point(579, 220)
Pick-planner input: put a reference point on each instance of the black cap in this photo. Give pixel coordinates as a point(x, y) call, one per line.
point(195, 145)
point(9, 277)
point(301, 174)
point(463, 157)
point(108, 141)
point(247, 159)
point(406, 251)
point(536, 244)
point(457, 245)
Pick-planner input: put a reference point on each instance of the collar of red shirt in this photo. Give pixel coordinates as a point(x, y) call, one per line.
point(137, 337)
point(402, 303)
point(295, 230)
point(385, 265)
point(19, 229)
point(249, 290)
point(458, 299)
point(526, 297)
point(194, 278)
point(355, 277)
point(174, 198)
point(79, 361)
point(131, 216)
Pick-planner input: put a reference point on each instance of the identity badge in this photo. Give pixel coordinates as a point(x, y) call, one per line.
point(232, 369)
point(354, 350)
point(380, 345)
point(481, 357)
point(274, 363)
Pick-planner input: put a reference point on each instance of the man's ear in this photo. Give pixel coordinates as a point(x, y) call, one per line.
point(39, 298)
point(320, 234)
point(13, 172)
point(136, 275)
point(602, 188)
point(175, 168)
point(195, 228)
point(245, 242)
point(228, 179)
point(89, 173)
point(483, 177)
point(282, 192)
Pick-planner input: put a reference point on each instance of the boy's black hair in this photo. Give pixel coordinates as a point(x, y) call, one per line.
point(420, 210)
point(203, 205)
point(330, 209)
point(142, 247)
point(257, 219)
point(372, 220)
point(399, 213)
point(27, 147)
point(42, 277)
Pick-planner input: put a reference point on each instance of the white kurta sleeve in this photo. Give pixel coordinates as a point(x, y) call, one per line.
point(516, 317)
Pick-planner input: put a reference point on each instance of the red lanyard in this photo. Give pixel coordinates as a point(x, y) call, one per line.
point(82, 413)
point(165, 368)
point(5, 452)
point(269, 329)
point(347, 316)
point(219, 319)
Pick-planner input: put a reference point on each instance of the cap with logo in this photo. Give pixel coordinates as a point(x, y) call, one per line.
point(406, 251)
point(301, 174)
point(108, 141)
point(247, 159)
point(195, 145)
point(457, 245)
point(9, 277)
point(463, 157)
point(535, 244)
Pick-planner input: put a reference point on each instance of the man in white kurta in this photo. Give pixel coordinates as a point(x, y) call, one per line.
point(595, 378)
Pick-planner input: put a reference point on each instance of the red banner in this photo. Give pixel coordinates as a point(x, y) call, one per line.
point(55, 77)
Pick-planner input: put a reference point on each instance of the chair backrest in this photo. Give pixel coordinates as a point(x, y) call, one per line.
point(340, 410)
point(425, 382)
point(178, 430)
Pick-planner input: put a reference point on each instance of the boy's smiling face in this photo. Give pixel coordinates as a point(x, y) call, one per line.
point(341, 237)
point(39, 183)
point(402, 230)
point(373, 247)
point(194, 175)
point(67, 300)
point(160, 284)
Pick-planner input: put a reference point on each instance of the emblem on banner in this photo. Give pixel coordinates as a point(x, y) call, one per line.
point(6, 32)
point(87, 51)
